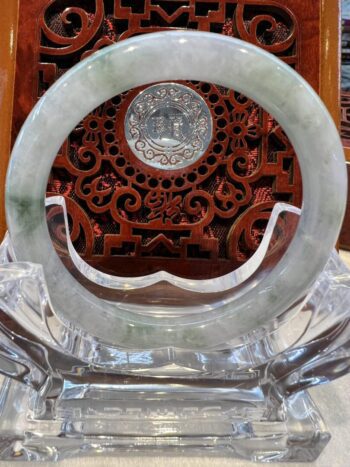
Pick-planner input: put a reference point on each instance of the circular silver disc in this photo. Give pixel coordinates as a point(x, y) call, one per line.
point(168, 126)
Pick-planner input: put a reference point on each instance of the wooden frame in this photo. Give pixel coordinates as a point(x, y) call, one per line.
point(330, 57)
point(8, 37)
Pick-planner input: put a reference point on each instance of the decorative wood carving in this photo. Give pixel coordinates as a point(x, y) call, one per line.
point(128, 218)
point(345, 118)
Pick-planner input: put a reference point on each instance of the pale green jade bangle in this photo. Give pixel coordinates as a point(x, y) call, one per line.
point(169, 56)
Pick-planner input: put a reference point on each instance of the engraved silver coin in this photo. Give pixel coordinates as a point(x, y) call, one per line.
point(168, 126)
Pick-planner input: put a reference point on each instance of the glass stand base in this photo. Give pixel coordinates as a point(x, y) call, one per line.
point(66, 393)
point(157, 418)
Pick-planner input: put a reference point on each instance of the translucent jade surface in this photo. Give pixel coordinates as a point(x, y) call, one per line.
point(180, 55)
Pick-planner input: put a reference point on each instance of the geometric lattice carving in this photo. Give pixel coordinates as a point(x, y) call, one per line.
point(204, 220)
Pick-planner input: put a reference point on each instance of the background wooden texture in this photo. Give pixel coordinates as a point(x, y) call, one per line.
point(8, 37)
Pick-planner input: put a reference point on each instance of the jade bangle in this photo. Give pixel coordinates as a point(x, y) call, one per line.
point(168, 56)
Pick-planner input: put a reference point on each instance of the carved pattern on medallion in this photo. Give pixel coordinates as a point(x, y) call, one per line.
point(168, 126)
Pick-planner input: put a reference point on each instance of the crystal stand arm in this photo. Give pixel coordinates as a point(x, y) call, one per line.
point(319, 361)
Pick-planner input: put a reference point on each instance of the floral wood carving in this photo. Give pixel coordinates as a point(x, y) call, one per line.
point(201, 221)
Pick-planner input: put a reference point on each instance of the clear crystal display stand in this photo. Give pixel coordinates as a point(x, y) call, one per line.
point(96, 364)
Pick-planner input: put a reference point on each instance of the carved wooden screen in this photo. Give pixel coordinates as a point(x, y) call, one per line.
point(127, 218)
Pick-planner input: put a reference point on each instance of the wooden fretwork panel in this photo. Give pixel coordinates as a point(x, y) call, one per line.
point(128, 218)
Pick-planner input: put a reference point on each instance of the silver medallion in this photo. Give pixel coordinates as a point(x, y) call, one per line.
point(168, 126)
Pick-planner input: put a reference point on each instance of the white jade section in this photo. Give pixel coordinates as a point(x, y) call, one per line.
point(168, 56)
